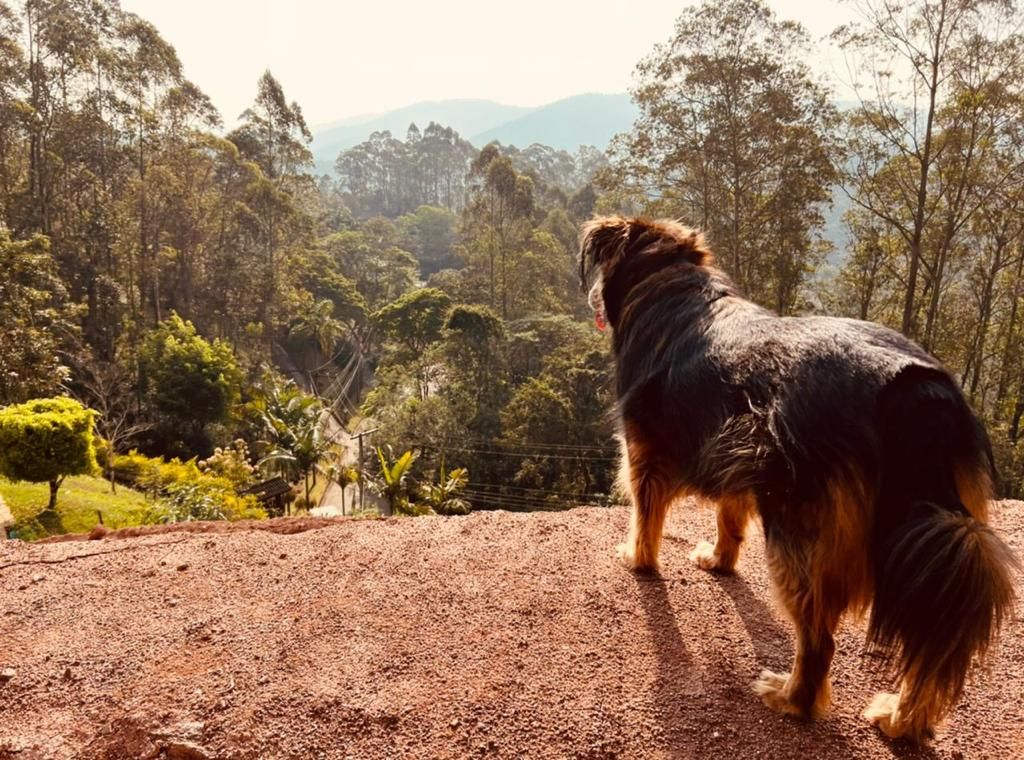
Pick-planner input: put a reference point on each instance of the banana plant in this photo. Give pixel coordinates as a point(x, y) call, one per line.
point(393, 481)
point(443, 496)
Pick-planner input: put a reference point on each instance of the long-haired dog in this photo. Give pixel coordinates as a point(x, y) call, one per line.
point(857, 450)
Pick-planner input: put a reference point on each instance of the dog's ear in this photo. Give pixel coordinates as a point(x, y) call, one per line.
point(602, 239)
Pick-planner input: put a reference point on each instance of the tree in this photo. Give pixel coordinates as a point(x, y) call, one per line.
point(108, 387)
point(33, 314)
point(430, 232)
point(188, 381)
point(412, 324)
point(45, 440)
point(497, 224)
point(919, 58)
point(274, 135)
point(735, 136)
point(290, 425)
point(317, 325)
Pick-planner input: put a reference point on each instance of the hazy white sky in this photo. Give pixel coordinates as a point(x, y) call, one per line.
point(345, 58)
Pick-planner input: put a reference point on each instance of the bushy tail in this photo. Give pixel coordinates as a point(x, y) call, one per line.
point(945, 588)
point(944, 580)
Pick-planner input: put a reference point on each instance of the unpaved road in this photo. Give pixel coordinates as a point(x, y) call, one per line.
point(498, 635)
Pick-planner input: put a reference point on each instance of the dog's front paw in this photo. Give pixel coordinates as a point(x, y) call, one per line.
point(704, 557)
point(771, 687)
point(628, 555)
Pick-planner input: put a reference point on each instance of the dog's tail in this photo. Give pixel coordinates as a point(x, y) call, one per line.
point(944, 580)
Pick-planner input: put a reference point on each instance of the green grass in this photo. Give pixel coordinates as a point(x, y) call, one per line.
point(78, 501)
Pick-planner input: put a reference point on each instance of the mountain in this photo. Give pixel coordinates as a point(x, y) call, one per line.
point(566, 124)
point(591, 119)
point(467, 117)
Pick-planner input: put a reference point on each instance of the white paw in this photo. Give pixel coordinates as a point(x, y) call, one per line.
point(771, 688)
point(704, 557)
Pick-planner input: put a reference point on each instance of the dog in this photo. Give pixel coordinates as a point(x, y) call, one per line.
point(869, 472)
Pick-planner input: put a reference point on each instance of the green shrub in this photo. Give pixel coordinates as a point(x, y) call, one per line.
point(45, 440)
point(184, 491)
point(205, 498)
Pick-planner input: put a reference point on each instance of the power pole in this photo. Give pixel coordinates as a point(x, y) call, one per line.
point(359, 437)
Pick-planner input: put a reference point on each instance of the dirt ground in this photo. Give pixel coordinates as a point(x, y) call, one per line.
point(498, 634)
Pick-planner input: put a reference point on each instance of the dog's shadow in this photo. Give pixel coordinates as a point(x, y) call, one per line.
point(699, 718)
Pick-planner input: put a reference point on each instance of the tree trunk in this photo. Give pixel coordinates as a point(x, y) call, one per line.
point(922, 187)
point(54, 485)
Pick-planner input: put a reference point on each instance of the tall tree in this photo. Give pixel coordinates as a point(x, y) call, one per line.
point(734, 136)
point(913, 146)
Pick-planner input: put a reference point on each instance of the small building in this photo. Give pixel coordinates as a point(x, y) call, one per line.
point(274, 495)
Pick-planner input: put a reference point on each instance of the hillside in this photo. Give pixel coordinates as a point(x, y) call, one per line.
point(499, 634)
point(467, 117)
point(565, 124)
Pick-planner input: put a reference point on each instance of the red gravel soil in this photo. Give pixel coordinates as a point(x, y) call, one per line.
point(498, 634)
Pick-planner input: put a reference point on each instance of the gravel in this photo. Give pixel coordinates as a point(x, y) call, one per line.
point(498, 634)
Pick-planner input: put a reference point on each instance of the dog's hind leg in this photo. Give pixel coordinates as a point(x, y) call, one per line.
point(815, 610)
point(734, 511)
point(652, 489)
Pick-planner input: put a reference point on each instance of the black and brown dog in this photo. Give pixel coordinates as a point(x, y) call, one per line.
point(857, 450)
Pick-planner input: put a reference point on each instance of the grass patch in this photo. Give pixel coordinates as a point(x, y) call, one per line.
point(79, 500)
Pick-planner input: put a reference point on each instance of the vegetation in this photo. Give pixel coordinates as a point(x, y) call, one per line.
point(84, 499)
point(393, 482)
point(197, 287)
point(190, 490)
point(44, 441)
point(443, 496)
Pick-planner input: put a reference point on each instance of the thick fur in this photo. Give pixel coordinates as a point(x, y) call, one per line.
point(857, 450)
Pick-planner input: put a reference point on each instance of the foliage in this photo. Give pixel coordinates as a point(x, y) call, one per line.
point(736, 137)
point(442, 497)
point(189, 382)
point(393, 482)
point(45, 440)
point(430, 235)
point(373, 259)
point(33, 311)
point(204, 498)
point(291, 429)
point(386, 176)
point(83, 500)
point(230, 463)
point(414, 321)
point(157, 267)
point(183, 491)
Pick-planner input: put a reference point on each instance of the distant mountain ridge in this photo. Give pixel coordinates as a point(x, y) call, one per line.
point(590, 119)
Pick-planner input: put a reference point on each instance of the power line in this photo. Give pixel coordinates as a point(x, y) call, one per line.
point(556, 446)
point(521, 455)
point(522, 488)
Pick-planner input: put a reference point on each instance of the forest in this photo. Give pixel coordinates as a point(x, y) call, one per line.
point(213, 300)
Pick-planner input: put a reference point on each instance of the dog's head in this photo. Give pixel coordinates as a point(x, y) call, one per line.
point(615, 249)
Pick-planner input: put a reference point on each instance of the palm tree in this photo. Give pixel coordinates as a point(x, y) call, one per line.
point(292, 426)
point(318, 325)
point(344, 476)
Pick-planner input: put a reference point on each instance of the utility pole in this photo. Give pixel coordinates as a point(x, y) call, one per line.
point(359, 437)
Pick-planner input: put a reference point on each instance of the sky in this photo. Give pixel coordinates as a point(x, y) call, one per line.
point(345, 59)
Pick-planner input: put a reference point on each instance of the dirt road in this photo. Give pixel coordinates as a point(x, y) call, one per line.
point(494, 635)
